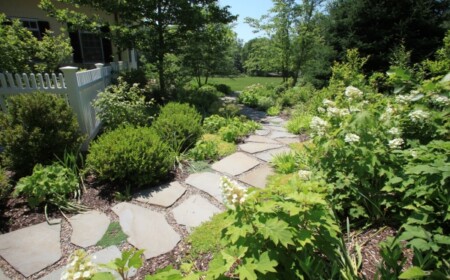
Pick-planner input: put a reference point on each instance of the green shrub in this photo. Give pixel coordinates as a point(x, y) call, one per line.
point(206, 99)
point(5, 187)
point(52, 184)
point(223, 88)
point(274, 110)
point(299, 124)
point(230, 129)
point(211, 147)
point(258, 96)
point(129, 155)
point(124, 104)
point(179, 125)
point(36, 128)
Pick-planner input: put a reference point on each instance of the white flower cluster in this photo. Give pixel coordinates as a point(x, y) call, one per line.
point(351, 138)
point(396, 143)
point(336, 112)
point(387, 113)
point(394, 131)
point(418, 115)
point(328, 103)
point(353, 93)
point(403, 99)
point(305, 174)
point(80, 266)
point(318, 126)
point(234, 194)
point(321, 110)
point(442, 100)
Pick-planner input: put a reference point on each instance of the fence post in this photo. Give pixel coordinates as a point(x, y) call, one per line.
point(100, 66)
point(120, 66)
point(73, 94)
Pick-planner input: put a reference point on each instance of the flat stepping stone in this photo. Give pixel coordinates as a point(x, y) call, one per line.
point(288, 141)
point(208, 182)
point(258, 147)
point(282, 134)
point(260, 139)
point(3, 276)
point(268, 155)
point(194, 211)
point(88, 228)
point(258, 176)
point(262, 132)
point(275, 128)
point(31, 249)
point(164, 196)
point(146, 229)
point(235, 164)
point(274, 120)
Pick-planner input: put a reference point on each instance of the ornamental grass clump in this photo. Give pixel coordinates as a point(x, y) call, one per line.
point(133, 156)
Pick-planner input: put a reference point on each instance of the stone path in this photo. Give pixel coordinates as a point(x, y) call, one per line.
point(152, 220)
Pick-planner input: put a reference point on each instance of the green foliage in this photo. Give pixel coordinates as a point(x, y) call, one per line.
point(21, 52)
point(178, 125)
point(206, 99)
point(230, 129)
point(5, 186)
point(258, 96)
point(131, 258)
point(239, 83)
point(205, 239)
point(113, 236)
point(223, 88)
point(36, 128)
point(299, 124)
point(135, 156)
point(123, 104)
point(79, 266)
point(274, 110)
point(51, 184)
point(211, 147)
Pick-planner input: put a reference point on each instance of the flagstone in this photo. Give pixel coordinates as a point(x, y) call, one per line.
point(208, 182)
point(194, 211)
point(258, 147)
point(31, 249)
point(260, 139)
point(165, 195)
point(281, 134)
point(88, 228)
point(258, 176)
point(268, 155)
point(146, 229)
point(288, 141)
point(262, 132)
point(235, 164)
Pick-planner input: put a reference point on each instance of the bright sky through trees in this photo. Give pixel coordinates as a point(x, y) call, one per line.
point(247, 8)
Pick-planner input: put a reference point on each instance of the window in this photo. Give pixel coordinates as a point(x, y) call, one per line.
point(35, 26)
point(91, 47)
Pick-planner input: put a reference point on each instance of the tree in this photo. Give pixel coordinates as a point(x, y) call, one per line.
point(377, 28)
point(21, 52)
point(155, 27)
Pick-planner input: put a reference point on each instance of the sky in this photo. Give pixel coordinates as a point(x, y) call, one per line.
point(247, 8)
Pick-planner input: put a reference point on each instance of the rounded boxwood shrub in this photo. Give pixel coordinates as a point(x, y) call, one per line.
point(179, 125)
point(130, 155)
point(37, 128)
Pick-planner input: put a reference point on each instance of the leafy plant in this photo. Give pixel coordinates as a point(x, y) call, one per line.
point(134, 156)
point(206, 99)
point(258, 96)
point(230, 129)
point(52, 184)
point(36, 128)
point(130, 259)
point(179, 125)
point(5, 186)
point(299, 124)
point(124, 104)
point(113, 236)
point(211, 147)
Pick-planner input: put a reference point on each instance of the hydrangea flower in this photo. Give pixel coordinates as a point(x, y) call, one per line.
point(394, 131)
point(344, 112)
point(321, 110)
point(442, 100)
point(79, 266)
point(304, 174)
point(351, 138)
point(333, 112)
point(318, 126)
point(234, 194)
point(328, 103)
point(418, 115)
point(396, 143)
point(353, 93)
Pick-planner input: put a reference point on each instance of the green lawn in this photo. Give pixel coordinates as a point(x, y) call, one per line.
point(240, 83)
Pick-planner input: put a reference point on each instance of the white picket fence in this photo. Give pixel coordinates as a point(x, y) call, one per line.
point(78, 88)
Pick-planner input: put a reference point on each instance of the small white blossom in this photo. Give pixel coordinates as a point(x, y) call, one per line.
point(394, 131)
point(321, 110)
point(318, 126)
point(328, 103)
point(355, 109)
point(353, 93)
point(304, 174)
point(404, 99)
point(351, 138)
point(418, 115)
point(387, 113)
point(396, 143)
point(414, 154)
point(442, 100)
point(344, 112)
point(77, 275)
point(86, 274)
point(233, 193)
point(333, 112)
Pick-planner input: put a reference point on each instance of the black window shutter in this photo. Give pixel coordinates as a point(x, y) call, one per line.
point(75, 42)
point(107, 46)
point(43, 26)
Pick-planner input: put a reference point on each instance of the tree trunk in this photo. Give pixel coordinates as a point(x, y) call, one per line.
point(161, 51)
